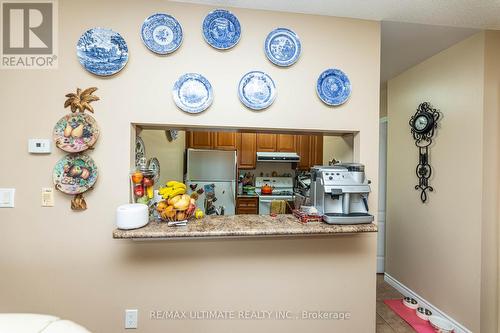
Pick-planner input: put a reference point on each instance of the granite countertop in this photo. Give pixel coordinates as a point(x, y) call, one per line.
point(241, 226)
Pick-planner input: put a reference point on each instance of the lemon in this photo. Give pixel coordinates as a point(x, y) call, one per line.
point(198, 214)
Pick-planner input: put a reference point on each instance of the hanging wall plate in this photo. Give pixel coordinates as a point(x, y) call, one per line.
point(140, 150)
point(257, 90)
point(76, 132)
point(154, 164)
point(282, 47)
point(75, 174)
point(333, 87)
point(221, 29)
point(161, 33)
point(192, 93)
point(102, 52)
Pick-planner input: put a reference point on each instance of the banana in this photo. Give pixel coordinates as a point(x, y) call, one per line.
point(176, 184)
point(177, 191)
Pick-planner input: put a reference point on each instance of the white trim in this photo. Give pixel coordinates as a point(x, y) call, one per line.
point(459, 328)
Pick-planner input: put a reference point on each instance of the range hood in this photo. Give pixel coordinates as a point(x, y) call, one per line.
point(264, 156)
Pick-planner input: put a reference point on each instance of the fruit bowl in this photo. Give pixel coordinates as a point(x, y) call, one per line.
point(177, 216)
point(176, 205)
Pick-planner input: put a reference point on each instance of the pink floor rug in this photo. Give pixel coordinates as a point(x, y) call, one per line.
point(409, 315)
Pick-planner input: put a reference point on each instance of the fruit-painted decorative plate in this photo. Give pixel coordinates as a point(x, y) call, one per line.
point(257, 90)
point(75, 174)
point(192, 93)
point(282, 47)
point(161, 33)
point(333, 87)
point(102, 51)
point(221, 29)
point(76, 132)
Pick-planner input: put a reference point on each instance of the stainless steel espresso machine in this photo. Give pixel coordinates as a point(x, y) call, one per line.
point(340, 193)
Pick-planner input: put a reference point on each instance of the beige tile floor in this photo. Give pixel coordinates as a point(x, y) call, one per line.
point(387, 320)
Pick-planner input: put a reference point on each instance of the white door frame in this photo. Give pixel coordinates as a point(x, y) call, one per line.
point(382, 177)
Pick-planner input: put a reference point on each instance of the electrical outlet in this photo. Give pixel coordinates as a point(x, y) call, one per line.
point(131, 318)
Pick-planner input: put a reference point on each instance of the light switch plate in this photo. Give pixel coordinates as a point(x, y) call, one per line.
point(39, 146)
point(131, 318)
point(48, 197)
point(7, 196)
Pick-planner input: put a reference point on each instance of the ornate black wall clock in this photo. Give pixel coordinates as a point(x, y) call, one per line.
point(422, 124)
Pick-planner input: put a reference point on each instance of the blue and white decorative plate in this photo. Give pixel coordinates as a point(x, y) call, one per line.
point(161, 33)
point(221, 29)
point(257, 90)
point(333, 87)
point(192, 93)
point(282, 47)
point(102, 51)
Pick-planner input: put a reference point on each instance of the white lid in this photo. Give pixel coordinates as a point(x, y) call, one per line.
point(132, 207)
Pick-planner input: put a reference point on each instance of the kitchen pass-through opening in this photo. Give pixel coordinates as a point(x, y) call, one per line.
point(240, 171)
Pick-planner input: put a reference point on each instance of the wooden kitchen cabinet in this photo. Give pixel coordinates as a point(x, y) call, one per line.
point(211, 140)
point(247, 150)
point(266, 142)
point(199, 140)
point(304, 151)
point(247, 205)
point(286, 143)
point(224, 141)
point(316, 149)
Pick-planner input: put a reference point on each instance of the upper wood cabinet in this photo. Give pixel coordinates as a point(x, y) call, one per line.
point(199, 140)
point(309, 147)
point(211, 140)
point(266, 142)
point(225, 140)
point(286, 143)
point(316, 149)
point(304, 151)
point(247, 150)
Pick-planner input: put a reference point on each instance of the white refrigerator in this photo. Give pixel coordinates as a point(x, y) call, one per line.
point(212, 174)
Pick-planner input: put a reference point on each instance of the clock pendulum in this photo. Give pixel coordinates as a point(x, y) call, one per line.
point(422, 125)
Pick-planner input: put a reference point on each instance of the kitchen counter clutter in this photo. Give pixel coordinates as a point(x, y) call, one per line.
point(241, 226)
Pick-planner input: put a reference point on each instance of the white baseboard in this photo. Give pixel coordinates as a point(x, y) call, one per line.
point(459, 328)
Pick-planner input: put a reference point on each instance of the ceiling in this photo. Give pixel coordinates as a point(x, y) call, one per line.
point(404, 45)
point(481, 14)
point(412, 31)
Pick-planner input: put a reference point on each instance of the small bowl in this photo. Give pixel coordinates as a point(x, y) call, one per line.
point(424, 313)
point(441, 325)
point(410, 303)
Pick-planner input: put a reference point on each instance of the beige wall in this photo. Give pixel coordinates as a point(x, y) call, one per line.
point(170, 154)
point(491, 167)
point(339, 147)
point(53, 260)
point(439, 249)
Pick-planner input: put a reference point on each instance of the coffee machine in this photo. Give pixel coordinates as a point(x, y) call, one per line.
point(340, 193)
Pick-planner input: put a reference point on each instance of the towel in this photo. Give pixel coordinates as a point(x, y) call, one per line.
point(278, 207)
